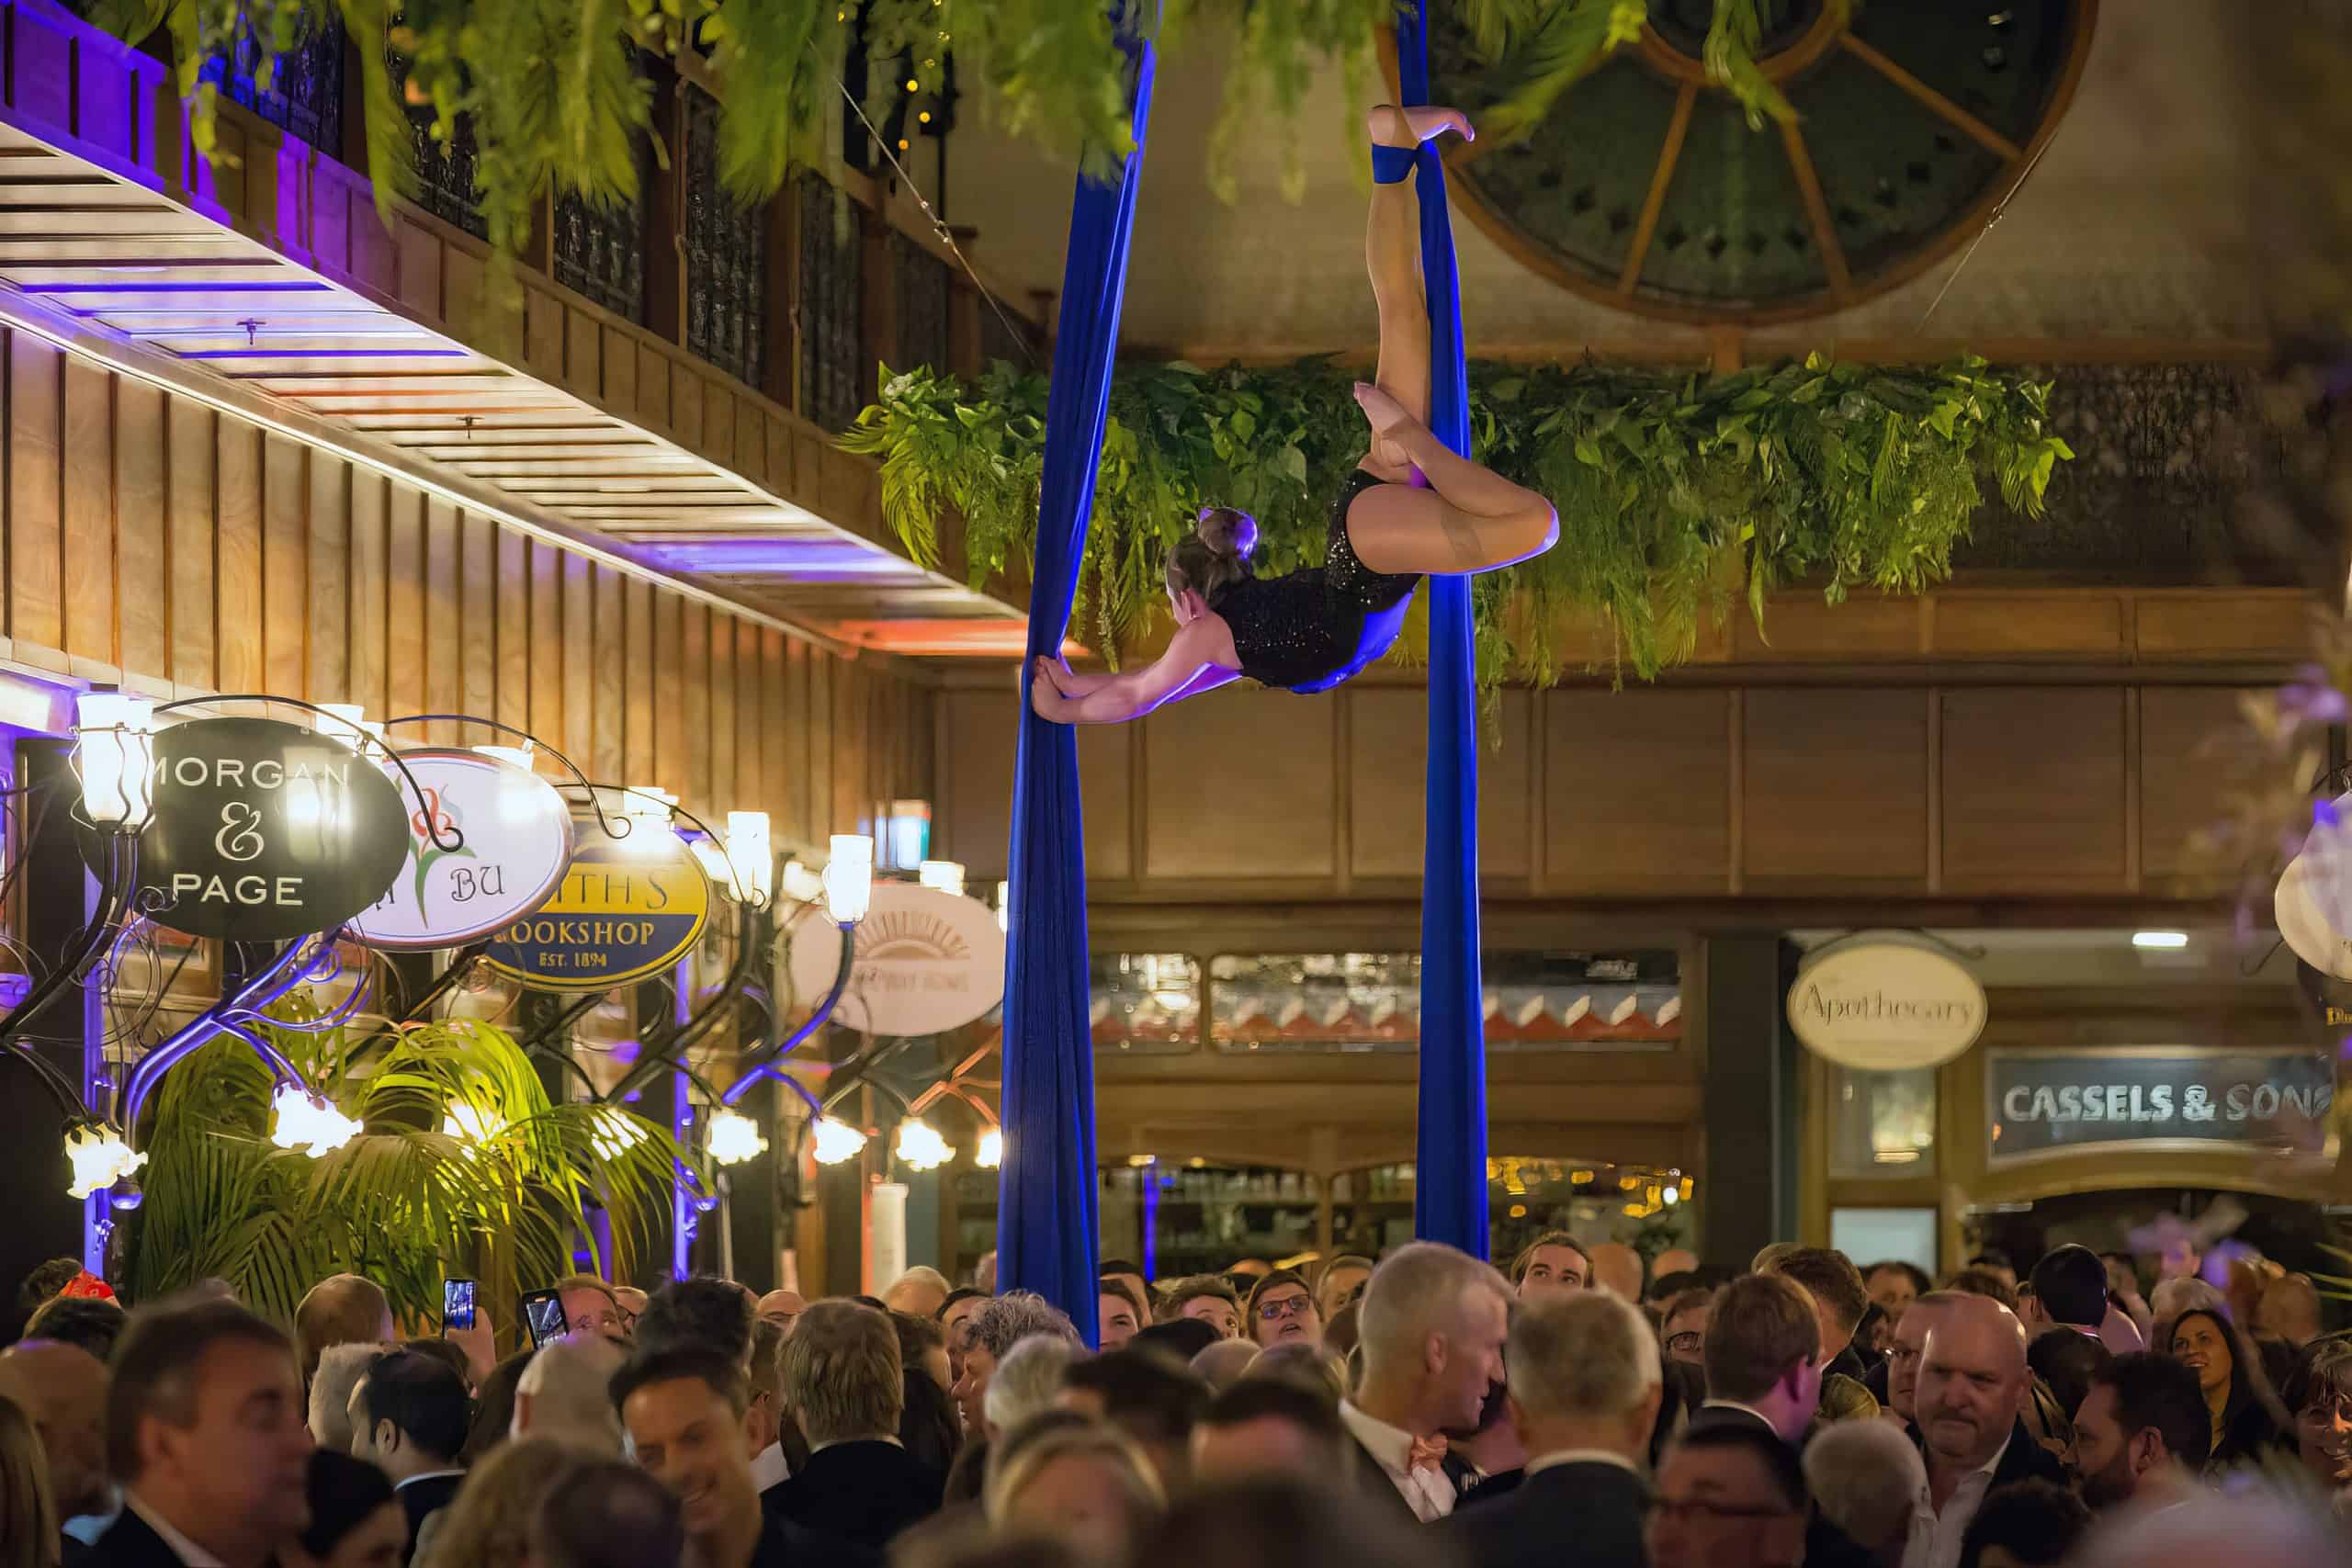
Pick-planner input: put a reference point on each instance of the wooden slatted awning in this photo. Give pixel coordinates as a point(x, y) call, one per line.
point(95, 247)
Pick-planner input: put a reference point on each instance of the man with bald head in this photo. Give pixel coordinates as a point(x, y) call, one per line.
point(1973, 1386)
point(1897, 1382)
point(63, 1389)
point(782, 1308)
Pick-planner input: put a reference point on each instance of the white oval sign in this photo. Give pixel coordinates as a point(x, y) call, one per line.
point(2303, 923)
point(1886, 1006)
point(518, 841)
point(927, 961)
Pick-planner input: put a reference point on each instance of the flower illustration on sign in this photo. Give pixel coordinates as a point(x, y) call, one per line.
point(424, 822)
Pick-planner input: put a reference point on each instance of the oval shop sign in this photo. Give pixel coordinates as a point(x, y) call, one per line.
point(518, 841)
point(1885, 1005)
point(626, 908)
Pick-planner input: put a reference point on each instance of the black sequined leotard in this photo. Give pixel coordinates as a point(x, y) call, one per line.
point(1310, 630)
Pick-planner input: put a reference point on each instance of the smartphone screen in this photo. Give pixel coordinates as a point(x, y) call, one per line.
point(457, 1305)
point(543, 1311)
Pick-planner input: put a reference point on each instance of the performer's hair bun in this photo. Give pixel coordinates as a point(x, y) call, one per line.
point(1227, 532)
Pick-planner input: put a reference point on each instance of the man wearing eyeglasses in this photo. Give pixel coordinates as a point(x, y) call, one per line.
point(1728, 1495)
point(1282, 1312)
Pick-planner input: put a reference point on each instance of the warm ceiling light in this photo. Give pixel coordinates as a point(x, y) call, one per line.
point(750, 852)
point(849, 880)
point(309, 1122)
point(100, 1158)
point(921, 1147)
point(837, 1141)
point(735, 1137)
point(991, 1153)
point(803, 884)
point(2160, 941)
point(944, 875)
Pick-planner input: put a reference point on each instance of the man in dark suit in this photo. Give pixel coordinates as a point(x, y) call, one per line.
point(205, 1432)
point(1584, 1387)
point(1974, 1383)
point(409, 1417)
point(844, 1381)
point(1763, 1358)
point(1433, 1324)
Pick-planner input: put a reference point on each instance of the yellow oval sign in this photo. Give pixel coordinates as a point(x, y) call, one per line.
point(627, 908)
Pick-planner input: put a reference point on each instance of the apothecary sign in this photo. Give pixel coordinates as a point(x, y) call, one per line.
point(264, 831)
point(627, 908)
point(1885, 1006)
point(516, 833)
point(927, 961)
point(2040, 1103)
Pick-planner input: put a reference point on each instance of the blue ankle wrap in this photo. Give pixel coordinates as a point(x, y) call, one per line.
point(1391, 164)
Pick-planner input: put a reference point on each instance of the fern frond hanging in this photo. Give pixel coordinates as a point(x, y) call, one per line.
point(1670, 487)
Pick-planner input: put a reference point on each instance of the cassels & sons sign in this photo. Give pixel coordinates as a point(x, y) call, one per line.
point(265, 831)
point(1885, 1005)
point(2048, 1101)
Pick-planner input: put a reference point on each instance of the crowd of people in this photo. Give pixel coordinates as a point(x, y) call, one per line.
point(1426, 1411)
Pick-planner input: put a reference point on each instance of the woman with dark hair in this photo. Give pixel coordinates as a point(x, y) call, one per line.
point(2247, 1417)
point(355, 1522)
point(1411, 508)
point(1282, 1311)
point(2319, 1396)
point(495, 1408)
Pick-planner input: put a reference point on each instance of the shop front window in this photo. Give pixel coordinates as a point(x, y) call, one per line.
point(1883, 1123)
point(1145, 1003)
point(1358, 1002)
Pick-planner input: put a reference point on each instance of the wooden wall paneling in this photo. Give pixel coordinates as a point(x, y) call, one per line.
point(1278, 758)
point(752, 717)
point(694, 661)
point(36, 489)
point(89, 512)
point(444, 684)
point(773, 726)
point(620, 371)
point(477, 593)
point(847, 728)
point(1637, 791)
point(190, 431)
point(142, 483)
point(514, 631)
point(800, 744)
point(1835, 787)
point(637, 678)
point(2180, 792)
point(283, 626)
point(720, 743)
point(547, 648)
point(669, 692)
point(610, 634)
point(327, 554)
point(1387, 760)
point(574, 650)
point(818, 735)
point(237, 559)
point(2032, 785)
point(404, 601)
point(370, 592)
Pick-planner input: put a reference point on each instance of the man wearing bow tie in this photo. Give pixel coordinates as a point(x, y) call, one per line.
point(1432, 1330)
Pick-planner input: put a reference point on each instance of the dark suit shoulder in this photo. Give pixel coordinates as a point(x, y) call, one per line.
point(783, 1544)
point(2027, 1460)
point(1600, 1507)
point(130, 1543)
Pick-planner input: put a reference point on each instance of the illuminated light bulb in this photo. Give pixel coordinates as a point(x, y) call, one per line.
point(647, 806)
point(100, 1158)
point(837, 1141)
point(912, 84)
point(1671, 1196)
point(715, 865)
point(525, 756)
point(306, 1121)
point(752, 853)
point(116, 735)
point(464, 1119)
point(1004, 906)
point(2160, 941)
point(991, 1153)
point(849, 880)
point(614, 1133)
point(924, 118)
point(944, 875)
point(735, 1137)
point(803, 884)
point(921, 1147)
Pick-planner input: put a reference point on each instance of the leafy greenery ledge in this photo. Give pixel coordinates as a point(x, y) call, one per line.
point(1673, 489)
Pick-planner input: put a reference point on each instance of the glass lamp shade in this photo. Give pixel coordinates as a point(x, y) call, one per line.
point(752, 855)
point(945, 875)
point(116, 738)
point(734, 1137)
point(849, 880)
point(837, 1141)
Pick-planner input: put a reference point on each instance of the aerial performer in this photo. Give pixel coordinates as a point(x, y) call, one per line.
point(1411, 508)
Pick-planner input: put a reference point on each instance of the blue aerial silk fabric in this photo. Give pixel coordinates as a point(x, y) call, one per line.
point(1045, 1212)
point(1450, 1189)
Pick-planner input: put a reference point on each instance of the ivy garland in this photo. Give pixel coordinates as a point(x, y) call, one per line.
point(1673, 489)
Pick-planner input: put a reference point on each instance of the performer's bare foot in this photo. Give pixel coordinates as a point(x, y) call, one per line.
point(1392, 127)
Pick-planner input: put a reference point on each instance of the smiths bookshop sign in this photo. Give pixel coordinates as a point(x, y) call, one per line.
point(627, 908)
point(2042, 1103)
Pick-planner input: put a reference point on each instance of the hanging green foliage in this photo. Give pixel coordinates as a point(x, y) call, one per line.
point(1674, 490)
point(464, 1169)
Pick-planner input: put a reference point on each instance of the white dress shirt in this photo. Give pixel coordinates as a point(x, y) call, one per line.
point(1935, 1536)
point(1430, 1494)
point(186, 1550)
point(770, 1468)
